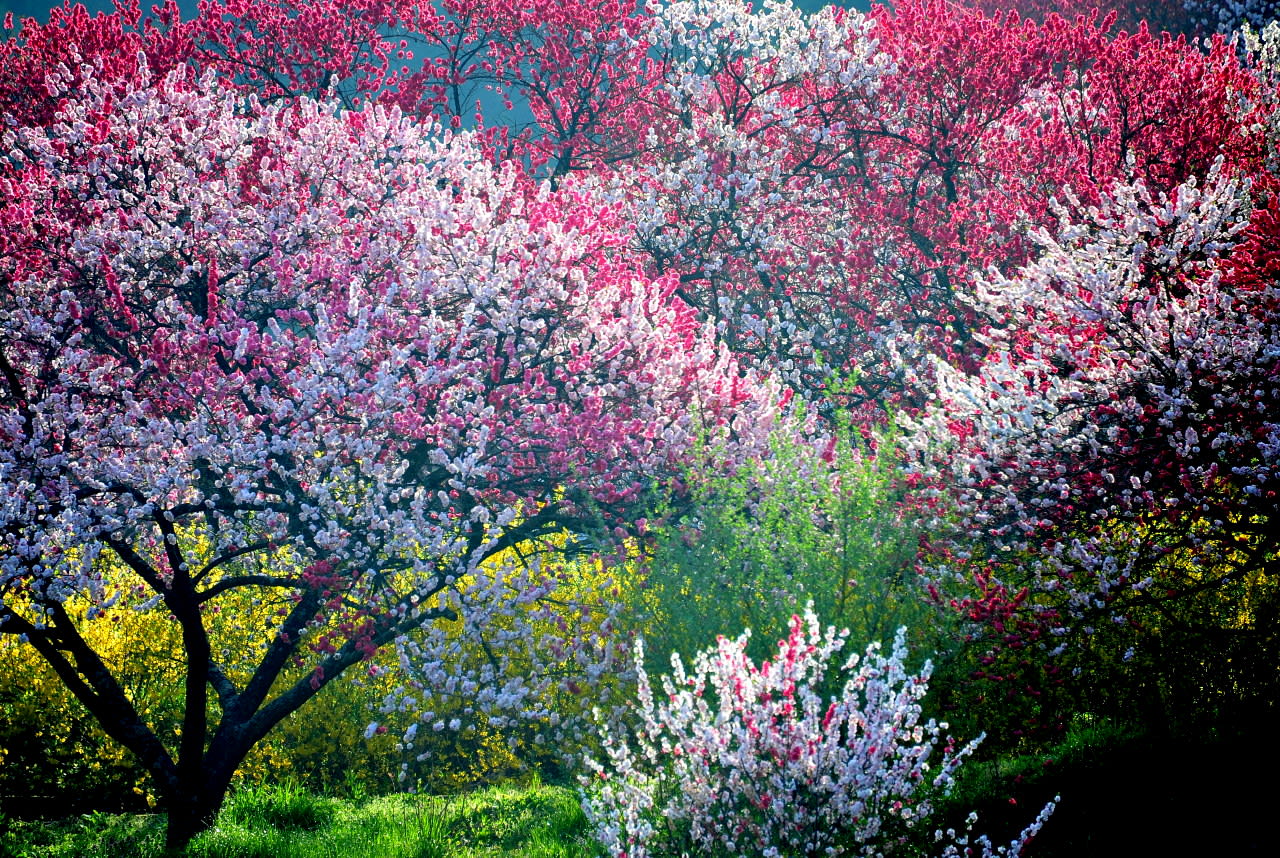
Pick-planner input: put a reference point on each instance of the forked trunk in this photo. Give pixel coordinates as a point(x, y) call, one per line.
point(190, 815)
point(194, 807)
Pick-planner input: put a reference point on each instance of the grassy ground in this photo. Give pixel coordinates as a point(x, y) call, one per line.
point(287, 822)
point(1123, 794)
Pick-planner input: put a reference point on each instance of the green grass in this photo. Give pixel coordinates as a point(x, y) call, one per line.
point(97, 834)
point(286, 821)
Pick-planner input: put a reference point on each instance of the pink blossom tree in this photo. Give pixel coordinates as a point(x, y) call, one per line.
point(326, 359)
point(825, 186)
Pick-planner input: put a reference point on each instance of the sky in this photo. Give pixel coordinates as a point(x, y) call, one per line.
point(40, 8)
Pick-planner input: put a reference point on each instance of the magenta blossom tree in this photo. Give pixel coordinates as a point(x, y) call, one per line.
point(830, 187)
point(331, 359)
point(826, 187)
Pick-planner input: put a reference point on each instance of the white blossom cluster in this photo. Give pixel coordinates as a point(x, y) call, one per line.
point(749, 760)
point(747, 124)
point(1226, 16)
point(1129, 378)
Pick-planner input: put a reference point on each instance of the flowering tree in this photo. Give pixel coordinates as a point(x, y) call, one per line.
point(569, 66)
point(115, 42)
point(735, 182)
point(828, 187)
point(740, 759)
point(1118, 445)
point(324, 358)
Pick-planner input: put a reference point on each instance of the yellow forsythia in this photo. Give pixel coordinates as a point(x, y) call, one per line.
point(51, 747)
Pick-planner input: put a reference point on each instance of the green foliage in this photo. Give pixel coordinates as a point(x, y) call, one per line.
point(505, 817)
point(98, 834)
point(510, 821)
point(824, 525)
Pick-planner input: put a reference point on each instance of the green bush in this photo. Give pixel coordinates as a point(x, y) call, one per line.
point(821, 523)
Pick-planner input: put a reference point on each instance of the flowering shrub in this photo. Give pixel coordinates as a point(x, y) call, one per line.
point(748, 760)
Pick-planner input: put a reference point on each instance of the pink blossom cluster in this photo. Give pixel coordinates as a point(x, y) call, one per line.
point(830, 186)
point(741, 759)
point(825, 186)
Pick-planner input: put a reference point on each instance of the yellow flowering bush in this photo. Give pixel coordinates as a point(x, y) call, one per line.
point(51, 746)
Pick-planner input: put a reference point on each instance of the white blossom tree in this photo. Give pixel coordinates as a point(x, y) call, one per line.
point(332, 360)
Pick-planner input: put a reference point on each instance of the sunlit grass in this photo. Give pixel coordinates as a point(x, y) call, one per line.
point(285, 821)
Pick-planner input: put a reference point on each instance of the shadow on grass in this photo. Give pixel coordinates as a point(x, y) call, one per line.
point(1128, 793)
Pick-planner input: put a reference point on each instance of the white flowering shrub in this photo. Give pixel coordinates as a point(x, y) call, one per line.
point(747, 760)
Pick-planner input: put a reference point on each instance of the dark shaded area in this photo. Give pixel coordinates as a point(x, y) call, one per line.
point(1149, 797)
point(47, 775)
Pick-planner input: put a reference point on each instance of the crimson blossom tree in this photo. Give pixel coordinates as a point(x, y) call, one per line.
point(1111, 457)
point(830, 187)
point(327, 361)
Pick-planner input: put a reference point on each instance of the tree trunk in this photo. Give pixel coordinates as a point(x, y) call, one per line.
point(191, 814)
point(193, 807)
